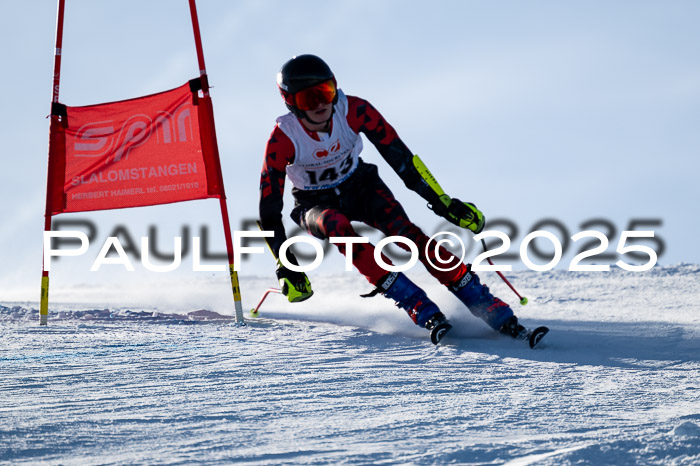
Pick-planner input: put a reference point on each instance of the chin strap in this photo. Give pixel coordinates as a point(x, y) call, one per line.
point(326, 124)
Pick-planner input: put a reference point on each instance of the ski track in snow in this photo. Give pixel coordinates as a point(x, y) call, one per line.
point(617, 381)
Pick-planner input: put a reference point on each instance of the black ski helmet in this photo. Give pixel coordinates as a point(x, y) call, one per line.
point(299, 73)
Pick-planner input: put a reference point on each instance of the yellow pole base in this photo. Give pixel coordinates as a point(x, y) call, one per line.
point(44, 303)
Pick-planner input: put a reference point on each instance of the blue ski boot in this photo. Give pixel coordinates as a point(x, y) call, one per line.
point(514, 329)
point(416, 303)
point(479, 300)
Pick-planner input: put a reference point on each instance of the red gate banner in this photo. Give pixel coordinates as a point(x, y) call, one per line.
point(138, 152)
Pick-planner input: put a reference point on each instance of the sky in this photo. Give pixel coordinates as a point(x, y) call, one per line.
point(564, 116)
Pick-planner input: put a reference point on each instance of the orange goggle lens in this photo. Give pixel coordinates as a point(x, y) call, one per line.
point(310, 98)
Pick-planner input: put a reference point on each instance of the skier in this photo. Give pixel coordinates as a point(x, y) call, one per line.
point(317, 146)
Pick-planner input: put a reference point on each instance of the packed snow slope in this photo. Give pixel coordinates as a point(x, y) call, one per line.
point(345, 380)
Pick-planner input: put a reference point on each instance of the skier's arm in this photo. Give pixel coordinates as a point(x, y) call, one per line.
point(462, 214)
point(363, 117)
point(278, 154)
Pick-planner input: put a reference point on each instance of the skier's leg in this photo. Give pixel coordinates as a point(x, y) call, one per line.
point(326, 222)
point(411, 298)
point(389, 216)
point(477, 297)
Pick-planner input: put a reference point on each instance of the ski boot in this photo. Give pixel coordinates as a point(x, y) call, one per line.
point(514, 329)
point(416, 303)
point(480, 301)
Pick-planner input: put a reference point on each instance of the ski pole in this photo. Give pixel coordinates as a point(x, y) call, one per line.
point(523, 300)
point(432, 182)
point(254, 312)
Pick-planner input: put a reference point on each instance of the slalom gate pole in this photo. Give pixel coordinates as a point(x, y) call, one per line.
point(523, 300)
point(235, 286)
point(55, 87)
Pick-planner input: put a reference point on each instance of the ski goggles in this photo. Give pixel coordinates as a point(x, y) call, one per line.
point(311, 97)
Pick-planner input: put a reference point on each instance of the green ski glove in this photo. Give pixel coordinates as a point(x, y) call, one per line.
point(462, 214)
point(295, 285)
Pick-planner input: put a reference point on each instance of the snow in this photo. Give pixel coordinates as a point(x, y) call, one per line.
point(341, 379)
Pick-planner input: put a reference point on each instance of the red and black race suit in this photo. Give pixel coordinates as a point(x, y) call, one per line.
point(362, 197)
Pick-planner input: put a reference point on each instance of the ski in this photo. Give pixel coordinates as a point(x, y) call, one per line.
point(439, 331)
point(533, 337)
